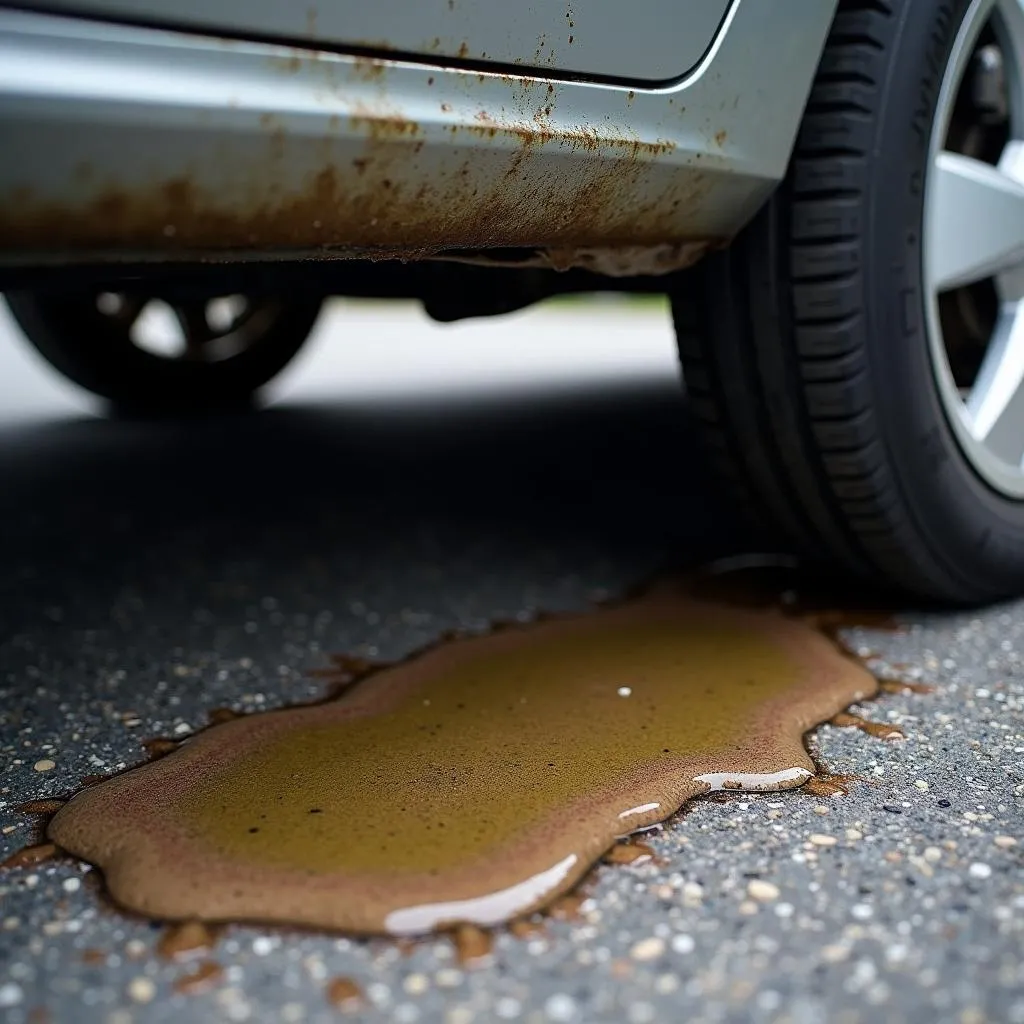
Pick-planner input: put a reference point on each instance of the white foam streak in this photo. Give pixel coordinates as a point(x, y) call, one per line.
point(753, 781)
point(486, 910)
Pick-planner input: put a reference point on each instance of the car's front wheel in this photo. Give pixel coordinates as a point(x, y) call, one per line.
point(856, 358)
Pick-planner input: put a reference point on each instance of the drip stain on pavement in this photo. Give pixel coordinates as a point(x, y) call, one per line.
point(472, 783)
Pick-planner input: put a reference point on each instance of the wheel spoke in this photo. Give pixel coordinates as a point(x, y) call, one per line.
point(976, 218)
point(191, 314)
point(120, 308)
point(996, 404)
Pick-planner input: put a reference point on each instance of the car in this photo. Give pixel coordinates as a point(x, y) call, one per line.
point(830, 191)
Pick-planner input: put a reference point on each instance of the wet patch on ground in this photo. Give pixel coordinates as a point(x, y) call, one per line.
point(477, 781)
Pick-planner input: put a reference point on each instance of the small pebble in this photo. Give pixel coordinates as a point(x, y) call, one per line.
point(508, 1008)
point(762, 891)
point(1004, 842)
point(979, 870)
point(141, 990)
point(682, 944)
point(71, 884)
point(648, 949)
point(921, 785)
point(853, 834)
point(560, 1007)
point(666, 983)
point(10, 995)
point(416, 984)
point(820, 839)
point(834, 954)
point(45, 765)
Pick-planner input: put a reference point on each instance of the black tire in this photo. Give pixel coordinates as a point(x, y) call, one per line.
point(804, 346)
point(96, 352)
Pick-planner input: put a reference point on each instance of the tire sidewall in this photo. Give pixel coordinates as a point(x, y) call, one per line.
point(966, 523)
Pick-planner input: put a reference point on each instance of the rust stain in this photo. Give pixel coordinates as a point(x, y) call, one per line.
point(369, 70)
point(463, 50)
point(720, 137)
point(379, 129)
point(290, 65)
point(366, 204)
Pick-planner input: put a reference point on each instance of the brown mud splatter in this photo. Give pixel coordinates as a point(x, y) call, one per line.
point(526, 928)
point(480, 780)
point(629, 853)
point(344, 994)
point(473, 945)
point(187, 939)
point(904, 686)
point(160, 746)
point(824, 784)
point(202, 978)
point(44, 808)
point(30, 856)
point(880, 730)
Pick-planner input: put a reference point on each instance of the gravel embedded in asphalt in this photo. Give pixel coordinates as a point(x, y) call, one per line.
point(153, 573)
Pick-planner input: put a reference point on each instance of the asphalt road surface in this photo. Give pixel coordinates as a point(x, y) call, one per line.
point(406, 480)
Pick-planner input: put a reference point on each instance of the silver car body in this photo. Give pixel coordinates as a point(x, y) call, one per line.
point(626, 138)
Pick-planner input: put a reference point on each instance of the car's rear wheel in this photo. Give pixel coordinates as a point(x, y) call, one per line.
point(856, 359)
point(167, 352)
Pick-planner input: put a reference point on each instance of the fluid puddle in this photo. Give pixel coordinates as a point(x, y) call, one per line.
point(472, 783)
